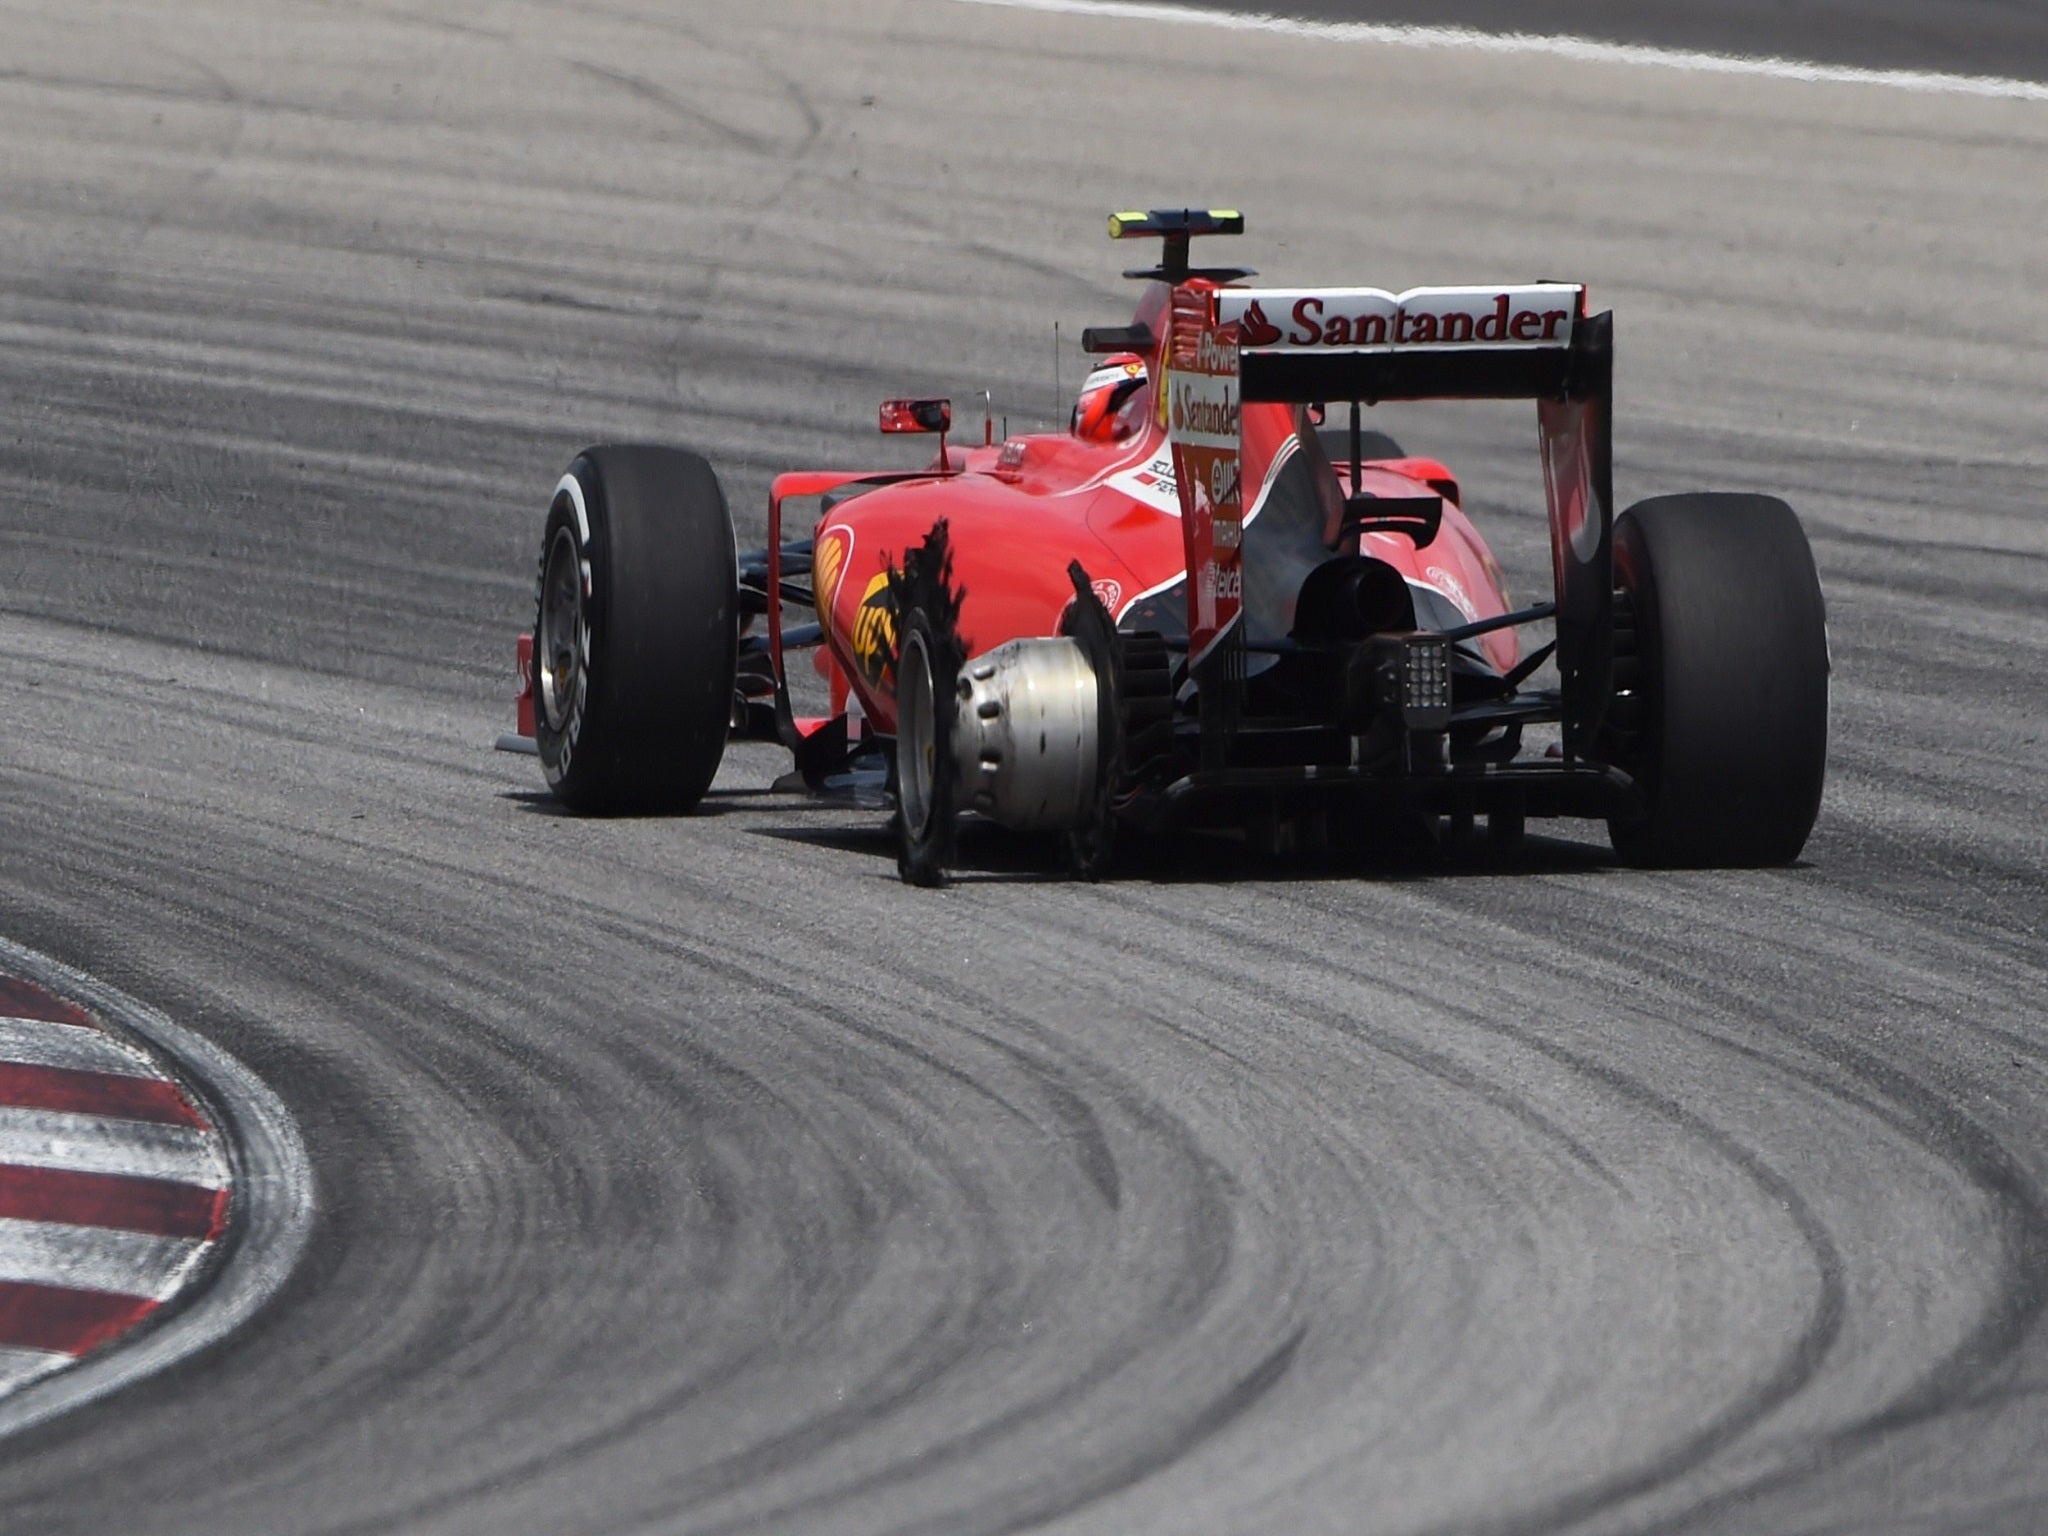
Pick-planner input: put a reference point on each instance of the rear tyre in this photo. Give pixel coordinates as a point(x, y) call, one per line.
point(929, 653)
point(637, 632)
point(1091, 847)
point(1723, 663)
point(927, 781)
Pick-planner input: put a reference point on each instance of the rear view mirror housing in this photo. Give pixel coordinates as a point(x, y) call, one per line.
point(935, 415)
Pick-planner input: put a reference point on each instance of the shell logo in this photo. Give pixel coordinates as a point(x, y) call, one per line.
point(828, 569)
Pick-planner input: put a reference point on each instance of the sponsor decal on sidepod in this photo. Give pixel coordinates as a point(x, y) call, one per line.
point(828, 566)
point(874, 631)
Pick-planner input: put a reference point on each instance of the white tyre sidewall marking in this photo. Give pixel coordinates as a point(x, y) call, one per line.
point(572, 726)
point(570, 486)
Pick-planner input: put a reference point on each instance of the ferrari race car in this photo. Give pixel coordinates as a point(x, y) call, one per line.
point(1215, 600)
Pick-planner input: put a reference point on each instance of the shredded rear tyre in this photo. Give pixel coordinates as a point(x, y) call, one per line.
point(929, 655)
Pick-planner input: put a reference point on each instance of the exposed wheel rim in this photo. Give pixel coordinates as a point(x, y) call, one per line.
point(917, 735)
point(559, 647)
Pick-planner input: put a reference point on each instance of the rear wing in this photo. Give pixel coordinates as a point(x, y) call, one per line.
point(1516, 343)
point(1532, 341)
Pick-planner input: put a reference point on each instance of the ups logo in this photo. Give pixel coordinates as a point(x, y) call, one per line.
point(874, 632)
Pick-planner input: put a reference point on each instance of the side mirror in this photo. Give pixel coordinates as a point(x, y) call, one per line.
point(917, 415)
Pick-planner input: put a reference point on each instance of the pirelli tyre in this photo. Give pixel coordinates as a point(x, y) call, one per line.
point(1721, 665)
point(928, 656)
point(927, 719)
point(636, 636)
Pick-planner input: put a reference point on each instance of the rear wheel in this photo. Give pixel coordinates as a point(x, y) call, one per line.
point(1091, 846)
point(637, 631)
point(929, 654)
point(1722, 658)
point(927, 782)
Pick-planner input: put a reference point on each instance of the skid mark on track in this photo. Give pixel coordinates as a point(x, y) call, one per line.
point(1919, 1115)
point(676, 107)
point(909, 1377)
point(1797, 1363)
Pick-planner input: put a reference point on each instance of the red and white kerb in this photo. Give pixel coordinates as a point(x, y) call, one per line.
point(114, 1185)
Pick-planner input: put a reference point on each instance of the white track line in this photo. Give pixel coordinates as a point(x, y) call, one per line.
point(37, 1043)
point(274, 1202)
point(1585, 49)
point(45, 1138)
point(19, 1367)
point(95, 1258)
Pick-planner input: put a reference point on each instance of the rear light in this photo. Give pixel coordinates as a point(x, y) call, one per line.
point(1412, 673)
point(1426, 682)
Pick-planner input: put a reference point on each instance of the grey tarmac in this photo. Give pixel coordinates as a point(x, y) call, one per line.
point(694, 1175)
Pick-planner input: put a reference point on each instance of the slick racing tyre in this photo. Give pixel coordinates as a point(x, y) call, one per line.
point(929, 655)
point(1091, 846)
point(636, 636)
point(927, 787)
point(1721, 668)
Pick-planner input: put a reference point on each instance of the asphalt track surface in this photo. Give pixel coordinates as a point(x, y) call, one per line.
point(694, 1175)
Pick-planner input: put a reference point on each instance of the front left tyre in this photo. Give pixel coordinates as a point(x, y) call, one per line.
point(636, 634)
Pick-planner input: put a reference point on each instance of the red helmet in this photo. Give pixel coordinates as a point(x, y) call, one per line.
point(1099, 414)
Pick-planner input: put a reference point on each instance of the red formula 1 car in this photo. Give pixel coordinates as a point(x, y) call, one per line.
point(1200, 605)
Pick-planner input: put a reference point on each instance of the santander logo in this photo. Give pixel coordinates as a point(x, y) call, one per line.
point(1254, 329)
point(1372, 320)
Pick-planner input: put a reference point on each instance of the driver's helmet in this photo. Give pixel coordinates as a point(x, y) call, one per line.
point(1100, 414)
